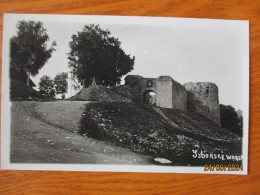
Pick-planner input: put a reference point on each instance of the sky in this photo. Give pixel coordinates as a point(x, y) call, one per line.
point(188, 50)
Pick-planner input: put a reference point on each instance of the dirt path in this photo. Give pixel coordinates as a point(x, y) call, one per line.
point(35, 141)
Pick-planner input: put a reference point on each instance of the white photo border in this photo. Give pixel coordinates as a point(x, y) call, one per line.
point(131, 20)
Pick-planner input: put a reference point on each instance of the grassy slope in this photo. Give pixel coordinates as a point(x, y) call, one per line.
point(35, 137)
point(143, 130)
point(203, 129)
point(63, 114)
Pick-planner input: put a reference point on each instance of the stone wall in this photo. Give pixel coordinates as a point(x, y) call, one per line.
point(179, 96)
point(169, 93)
point(141, 86)
point(164, 92)
point(203, 99)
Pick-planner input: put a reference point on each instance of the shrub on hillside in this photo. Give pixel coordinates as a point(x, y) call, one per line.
point(101, 94)
point(20, 91)
point(130, 79)
point(230, 119)
point(131, 93)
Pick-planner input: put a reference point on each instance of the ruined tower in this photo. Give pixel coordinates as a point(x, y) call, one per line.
point(203, 99)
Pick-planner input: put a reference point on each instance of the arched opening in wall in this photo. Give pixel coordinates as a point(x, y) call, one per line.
point(149, 97)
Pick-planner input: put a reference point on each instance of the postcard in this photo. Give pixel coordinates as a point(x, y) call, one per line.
point(125, 94)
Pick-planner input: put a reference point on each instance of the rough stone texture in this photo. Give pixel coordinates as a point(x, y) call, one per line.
point(164, 94)
point(179, 96)
point(141, 86)
point(203, 99)
point(169, 93)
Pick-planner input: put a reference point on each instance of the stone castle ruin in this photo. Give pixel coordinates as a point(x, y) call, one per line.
point(200, 97)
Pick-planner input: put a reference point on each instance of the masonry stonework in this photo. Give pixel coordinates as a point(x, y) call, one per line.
point(179, 96)
point(164, 92)
point(142, 86)
point(203, 99)
point(200, 98)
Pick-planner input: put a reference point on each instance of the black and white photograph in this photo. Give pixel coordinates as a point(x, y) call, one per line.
point(127, 94)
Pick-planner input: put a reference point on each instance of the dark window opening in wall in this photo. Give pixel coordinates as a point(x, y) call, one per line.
point(149, 83)
point(149, 97)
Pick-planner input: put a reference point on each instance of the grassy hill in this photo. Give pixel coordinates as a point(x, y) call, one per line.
point(158, 132)
point(163, 133)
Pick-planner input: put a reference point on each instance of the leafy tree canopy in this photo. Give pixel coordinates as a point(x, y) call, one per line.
point(28, 50)
point(46, 88)
point(230, 119)
point(96, 56)
point(61, 83)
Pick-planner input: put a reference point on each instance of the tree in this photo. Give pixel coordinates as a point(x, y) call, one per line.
point(28, 50)
point(230, 119)
point(96, 56)
point(61, 83)
point(46, 88)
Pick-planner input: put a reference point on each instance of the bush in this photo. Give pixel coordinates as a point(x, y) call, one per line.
point(101, 94)
point(230, 119)
point(20, 91)
point(46, 89)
